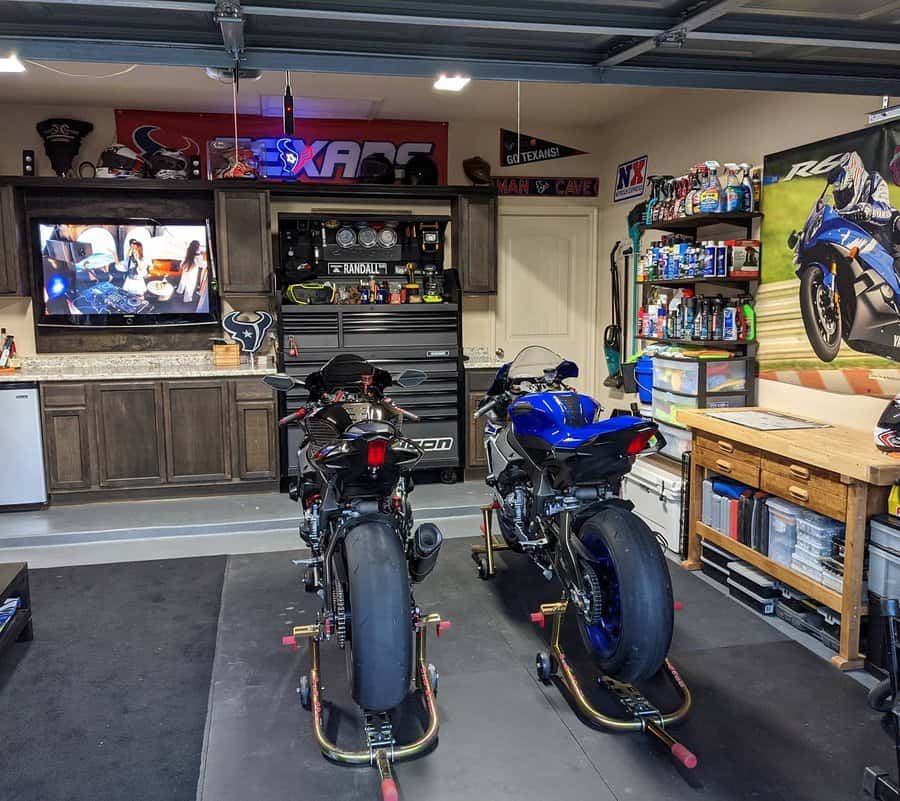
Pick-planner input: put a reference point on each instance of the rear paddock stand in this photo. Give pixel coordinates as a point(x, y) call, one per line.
point(483, 554)
point(382, 750)
point(642, 715)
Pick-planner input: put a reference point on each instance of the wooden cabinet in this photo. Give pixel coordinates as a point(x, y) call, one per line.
point(477, 383)
point(130, 437)
point(244, 242)
point(67, 437)
point(13, 259)
point(198, 446)
point(475, 243)
point(102, 438)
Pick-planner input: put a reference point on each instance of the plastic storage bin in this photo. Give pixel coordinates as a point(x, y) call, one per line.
point(701, 377)
point(782, 530)
point(884, 530)
point(678, 441)
point(817, 530)
point(884, 571)
point(643, 377)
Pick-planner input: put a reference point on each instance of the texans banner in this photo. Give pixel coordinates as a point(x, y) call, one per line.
point(513, 185)
point(631, 178)
point(526, 149)
point(326, 151)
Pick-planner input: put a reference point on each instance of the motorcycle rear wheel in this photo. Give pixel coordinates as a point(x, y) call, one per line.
point(631, 639)
point(814, 296)
point(380, 616)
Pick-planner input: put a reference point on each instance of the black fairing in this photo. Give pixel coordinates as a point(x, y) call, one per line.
point(348, 372)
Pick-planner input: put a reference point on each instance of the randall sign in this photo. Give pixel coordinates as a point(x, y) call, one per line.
point(631, 177)
point(516, 185)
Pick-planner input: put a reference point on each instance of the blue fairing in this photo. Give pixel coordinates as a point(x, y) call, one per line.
point(835, 230)
point(563, 419)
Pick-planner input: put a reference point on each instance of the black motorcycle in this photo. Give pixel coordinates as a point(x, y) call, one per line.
point(353, 487)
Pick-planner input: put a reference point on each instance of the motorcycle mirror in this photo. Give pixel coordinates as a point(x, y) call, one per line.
point(793, 239)
point(280, 382)
point(412, 378)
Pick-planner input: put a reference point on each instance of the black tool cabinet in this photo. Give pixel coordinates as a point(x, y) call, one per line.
point(395, 338)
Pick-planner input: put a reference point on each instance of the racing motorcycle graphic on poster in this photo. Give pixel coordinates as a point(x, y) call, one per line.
point(847, 258)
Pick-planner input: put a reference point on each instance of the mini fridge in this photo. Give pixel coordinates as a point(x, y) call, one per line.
point(23, 451)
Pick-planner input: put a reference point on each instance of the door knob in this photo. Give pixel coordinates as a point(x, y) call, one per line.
point(499, 353)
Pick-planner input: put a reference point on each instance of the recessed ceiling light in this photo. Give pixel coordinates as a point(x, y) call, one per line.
point(11, 64)
point(451, 83)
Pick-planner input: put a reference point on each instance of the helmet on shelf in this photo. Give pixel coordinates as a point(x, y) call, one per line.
point(376, 169)
point(119, 161)
point(167, 164)
point(420, 170)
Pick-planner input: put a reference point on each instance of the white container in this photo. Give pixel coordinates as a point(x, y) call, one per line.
point(656, 495)
point(884, 531)
point(782, 530)
point(678, 441)
point(884, 572)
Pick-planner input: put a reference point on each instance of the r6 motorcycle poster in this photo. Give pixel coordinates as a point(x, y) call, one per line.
point(829, 304)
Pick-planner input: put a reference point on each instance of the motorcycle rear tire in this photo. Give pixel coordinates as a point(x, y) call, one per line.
point(646, 608)
point(380, 616)
point(825, 350)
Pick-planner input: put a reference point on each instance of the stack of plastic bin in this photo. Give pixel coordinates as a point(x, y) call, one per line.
point(782, 530)
point(814, 536)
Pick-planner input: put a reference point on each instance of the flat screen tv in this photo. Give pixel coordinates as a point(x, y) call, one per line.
point(118, 273)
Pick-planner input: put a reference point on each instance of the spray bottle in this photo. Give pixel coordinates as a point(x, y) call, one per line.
point(749, 319)
point(747, 202)
point(711, 194)
point(733, 194)
point(655, 182)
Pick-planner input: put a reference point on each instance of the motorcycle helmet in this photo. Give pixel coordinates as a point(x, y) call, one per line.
point(477, 170)
point(887, 429)
point(420, 171)
point(848, 180)
point(119, 161)
point(167, 164)
point(376, 169)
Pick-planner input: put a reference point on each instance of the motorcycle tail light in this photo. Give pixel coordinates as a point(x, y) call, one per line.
point(376, 452)
point(640, 442)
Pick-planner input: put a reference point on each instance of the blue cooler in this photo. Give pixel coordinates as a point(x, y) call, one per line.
point(643, 377)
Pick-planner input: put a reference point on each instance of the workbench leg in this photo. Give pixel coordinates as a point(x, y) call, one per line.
point(695, 512)
point(849, 657)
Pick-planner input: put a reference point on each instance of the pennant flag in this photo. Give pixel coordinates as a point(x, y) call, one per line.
point(526, 149)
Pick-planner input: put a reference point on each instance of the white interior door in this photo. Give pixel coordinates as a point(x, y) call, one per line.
point(547, 284)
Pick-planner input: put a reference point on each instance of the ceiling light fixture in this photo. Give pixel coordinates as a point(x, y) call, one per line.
point(11, 64)
point(451, 83)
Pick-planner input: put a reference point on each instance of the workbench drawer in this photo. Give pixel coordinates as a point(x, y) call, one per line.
point(823, 495)
point(728, 448)
point(737, 468)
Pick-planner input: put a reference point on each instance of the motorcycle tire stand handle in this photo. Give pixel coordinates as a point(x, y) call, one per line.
point(642, 714)
point(381, 751)
point(483, 555)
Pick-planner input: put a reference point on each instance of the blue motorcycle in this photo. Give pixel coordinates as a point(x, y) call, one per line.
point(555, 468)
point(848, 287)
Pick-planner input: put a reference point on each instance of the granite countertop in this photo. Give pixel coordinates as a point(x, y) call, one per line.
point(130, 366)
point(480, 358)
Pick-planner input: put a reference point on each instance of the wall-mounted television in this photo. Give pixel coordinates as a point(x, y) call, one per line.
point(124, 273)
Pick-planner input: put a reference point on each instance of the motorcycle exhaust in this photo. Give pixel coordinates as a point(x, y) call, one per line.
point(426, 547)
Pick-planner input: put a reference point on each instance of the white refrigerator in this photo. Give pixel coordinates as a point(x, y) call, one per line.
point(23, 451)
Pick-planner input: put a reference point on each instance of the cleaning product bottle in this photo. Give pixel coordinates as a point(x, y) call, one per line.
point(756, 184)
point(702, 173)
point(704, 319)
point(711, 194)
point(732, 194)
point(715, 328)
point(729, 321)
point(747, 203)
point(749, 319)
point(655, 182)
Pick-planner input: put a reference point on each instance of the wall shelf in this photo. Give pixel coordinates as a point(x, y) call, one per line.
point(692, 281)
point(703, 344)
point(742, 219)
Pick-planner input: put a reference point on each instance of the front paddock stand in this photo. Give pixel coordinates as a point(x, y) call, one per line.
point(483, 555)
point(641, 714)
point(382, 750)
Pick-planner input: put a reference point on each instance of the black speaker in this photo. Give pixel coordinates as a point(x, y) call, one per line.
point(194, 167)
point(29, 165)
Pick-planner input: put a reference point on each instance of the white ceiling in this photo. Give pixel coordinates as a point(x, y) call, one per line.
point(189, 89)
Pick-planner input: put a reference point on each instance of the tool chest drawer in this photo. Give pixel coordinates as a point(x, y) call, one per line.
point(727, 465)
point(828, 497)
point(728, 449)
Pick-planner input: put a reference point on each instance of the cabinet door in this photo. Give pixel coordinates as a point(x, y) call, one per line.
point(67, 448)
point(244, 242)
point(12, 255)
point(257, 446)
point(475, 243)
point(475, 433)
point(198, 446)
point(130, 438)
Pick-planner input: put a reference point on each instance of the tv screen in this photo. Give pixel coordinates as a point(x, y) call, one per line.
point(103, 273)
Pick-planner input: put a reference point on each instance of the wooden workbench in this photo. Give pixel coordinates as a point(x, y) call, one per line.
point(836, 471)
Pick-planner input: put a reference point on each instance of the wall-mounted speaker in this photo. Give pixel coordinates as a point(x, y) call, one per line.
point(29, 165)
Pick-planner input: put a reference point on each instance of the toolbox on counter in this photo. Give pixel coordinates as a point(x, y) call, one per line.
point(758, 603)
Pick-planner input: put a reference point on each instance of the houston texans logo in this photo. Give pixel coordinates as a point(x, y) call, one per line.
point(292, 161)
point(147, 144)
point(542, 186)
